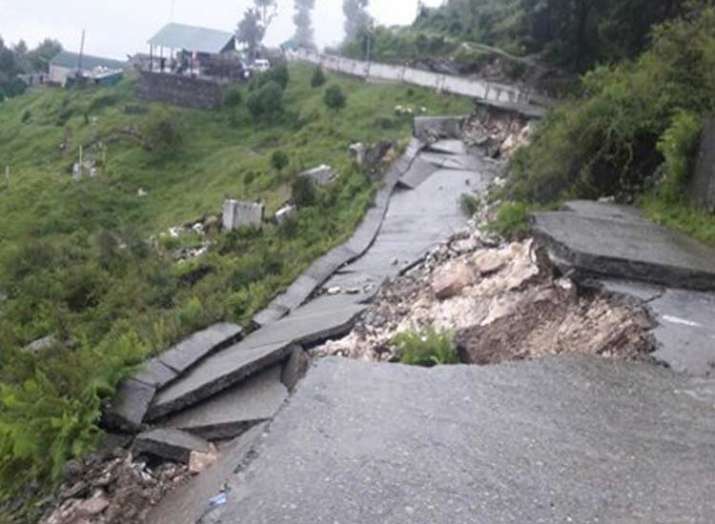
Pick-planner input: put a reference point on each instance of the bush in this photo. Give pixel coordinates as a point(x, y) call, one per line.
point(266, 103)
point(101, 101)
point(469, 204)
point(426, 348)
point(511, 220)
point(26, 116)
point(163, 134)
point(233, 97)
point(318, 79)
point(303, 192)
point(679, 146)
point(278, 74)
point(279, 160)
point(334, 98)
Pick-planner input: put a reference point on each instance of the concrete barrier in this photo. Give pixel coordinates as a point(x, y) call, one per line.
point(472, 87)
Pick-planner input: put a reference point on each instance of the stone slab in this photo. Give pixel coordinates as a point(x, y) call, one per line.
point(232, 412)
point(606, 211)
point(295, 368)
point(448, 146)
point(169, 444)
point(156, 374)
point(319, 320)
point(216, 374)
point(198, 346)
point(189, 503)
point(565, 439)
point(625, 248)
point(129, 406)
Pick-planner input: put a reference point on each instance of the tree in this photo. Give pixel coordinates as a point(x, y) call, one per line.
point(279, 160)
point(335, 98)
point(251, 32)
point(267, 10)
point(303, 24)
point(357, 18)
point(39, 58)
point(266, 103)
point(318, 78)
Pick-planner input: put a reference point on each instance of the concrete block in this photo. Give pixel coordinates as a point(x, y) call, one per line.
point(238, 214)
point(321, 175)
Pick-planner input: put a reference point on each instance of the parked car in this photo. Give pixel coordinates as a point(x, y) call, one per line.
point(261, 65)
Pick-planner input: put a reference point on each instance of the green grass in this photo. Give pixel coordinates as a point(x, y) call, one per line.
point(426, 348)
point(680, 216)
point(74, 257)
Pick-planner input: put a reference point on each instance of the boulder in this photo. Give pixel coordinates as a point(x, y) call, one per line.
point(321, 175)
point(285, 213)
point(490, 261)
point(451, 279)
point(237, 214)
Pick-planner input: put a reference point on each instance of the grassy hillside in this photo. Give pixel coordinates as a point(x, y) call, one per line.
point(75, 257)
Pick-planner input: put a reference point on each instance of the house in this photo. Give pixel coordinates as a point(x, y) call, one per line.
point(67, 67)
point(180, 48)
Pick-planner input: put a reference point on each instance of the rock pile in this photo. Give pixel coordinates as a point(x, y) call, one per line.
point(111, 489)
point(502, 303)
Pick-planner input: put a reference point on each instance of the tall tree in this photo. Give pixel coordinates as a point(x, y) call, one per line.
point(39, 58)
point(357, 19)
point(251, 31)
point(268, 10)
point(304, 36)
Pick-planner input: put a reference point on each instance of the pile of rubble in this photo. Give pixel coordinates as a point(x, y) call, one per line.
point(498, 133)
point(114, 488)
point(502, 302)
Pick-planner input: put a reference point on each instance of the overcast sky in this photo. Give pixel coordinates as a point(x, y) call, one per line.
point(118, 28)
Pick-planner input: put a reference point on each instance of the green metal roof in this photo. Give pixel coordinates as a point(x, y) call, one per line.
point(70, 60)
point(190, 38)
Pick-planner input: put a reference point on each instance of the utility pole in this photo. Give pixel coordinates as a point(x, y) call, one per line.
point(81, 53)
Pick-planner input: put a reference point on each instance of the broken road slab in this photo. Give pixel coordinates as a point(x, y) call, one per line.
point(129, 406)
point(199, 345)
point(232, 412)
point(170, 444)
point(323, 318)
point(563, 439)
point(624, 246)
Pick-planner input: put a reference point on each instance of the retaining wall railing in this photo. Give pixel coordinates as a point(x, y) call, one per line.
point(472, 87)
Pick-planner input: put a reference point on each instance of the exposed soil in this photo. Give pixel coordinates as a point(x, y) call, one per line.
point(502, 303)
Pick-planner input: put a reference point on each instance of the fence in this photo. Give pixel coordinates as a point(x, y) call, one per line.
point(474, 88)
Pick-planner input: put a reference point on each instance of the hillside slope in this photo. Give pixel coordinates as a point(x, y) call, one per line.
point(75, 263)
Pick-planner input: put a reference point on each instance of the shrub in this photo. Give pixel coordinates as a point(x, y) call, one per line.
point(334, 98)
point(101, 101)
point(303, 192)
point(511, 220)
point(266, 103)
point(469, 204)
point(318, 79)
point(163, 133)
point(278, 74)
point(26, 116)
point(279, 160)
point(426, 348)
point(679, 145)
point(233, 97)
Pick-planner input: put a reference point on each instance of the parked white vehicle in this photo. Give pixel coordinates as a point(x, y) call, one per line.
point(261, 65)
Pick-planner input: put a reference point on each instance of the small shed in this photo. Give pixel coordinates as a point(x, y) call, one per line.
point(198, 42)
point(66, 66)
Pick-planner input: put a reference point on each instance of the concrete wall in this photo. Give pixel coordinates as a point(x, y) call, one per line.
point(474, 88)
point(179, 90)
point(58, 74)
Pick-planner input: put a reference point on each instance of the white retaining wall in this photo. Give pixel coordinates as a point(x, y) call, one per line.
point(475, 88)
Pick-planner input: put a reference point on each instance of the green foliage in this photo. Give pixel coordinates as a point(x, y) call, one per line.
point(89, 262)
point(163, 133)
point(605, 144)
point(279, 160)
point(511, 220)
point(266, 102)
point(278, 74)
point(26, 116)
point(234, 97)
point(303, 191)
point(318, 79)
point(678, 145)
point(426, 348)
point(470, 204)
point(334, 98)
